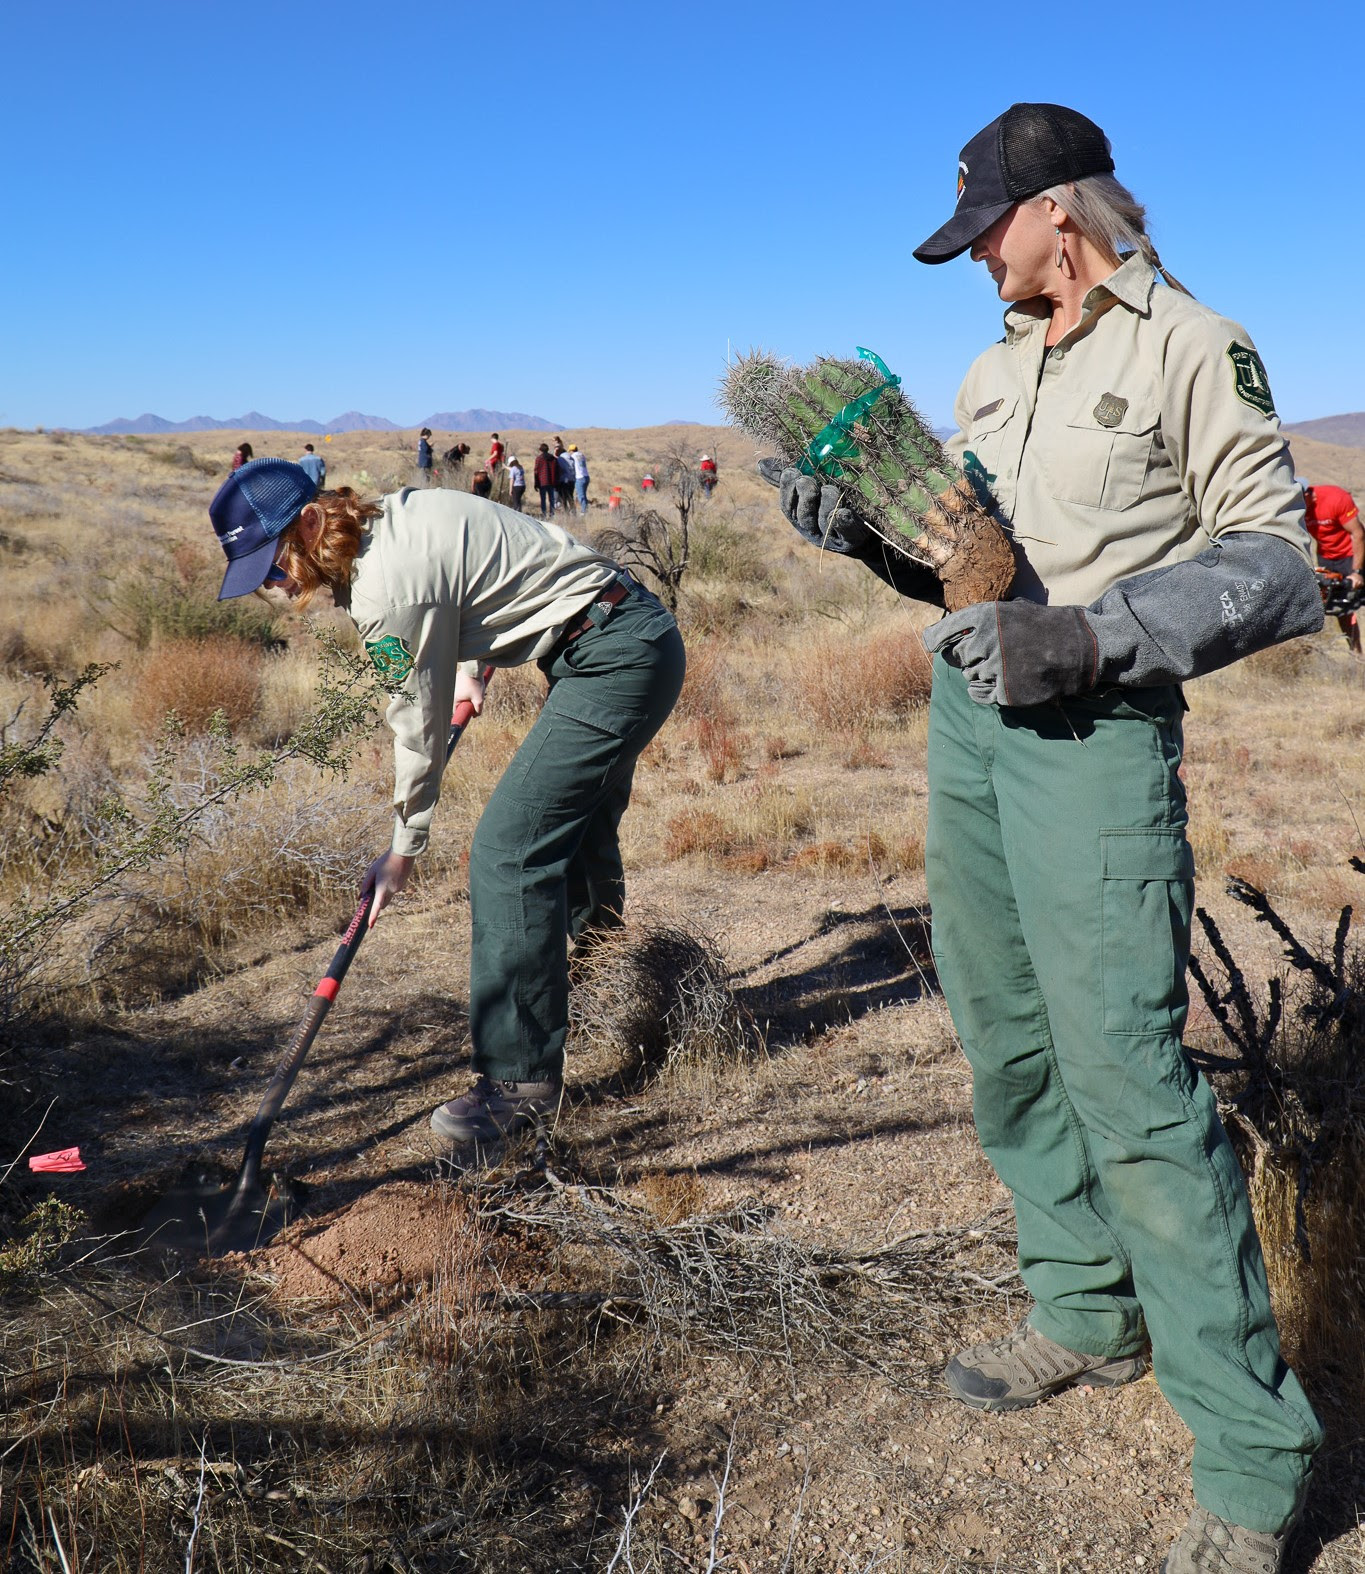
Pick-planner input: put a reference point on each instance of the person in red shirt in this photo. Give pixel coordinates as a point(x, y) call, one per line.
point(494, 454)
point(1333, 521)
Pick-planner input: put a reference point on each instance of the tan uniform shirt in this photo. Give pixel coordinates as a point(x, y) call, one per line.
point(1144, 435)
point(444, 578)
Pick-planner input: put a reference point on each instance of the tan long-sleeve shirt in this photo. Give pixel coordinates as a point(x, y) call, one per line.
point(1143, 436)
point(445, 578)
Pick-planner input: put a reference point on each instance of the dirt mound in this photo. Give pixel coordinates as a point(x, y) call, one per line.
point(391, 1240)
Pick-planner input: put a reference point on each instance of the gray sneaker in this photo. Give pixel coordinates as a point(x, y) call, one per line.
point(1026, 1367)
point(1209, 1545)
point(493, 1110)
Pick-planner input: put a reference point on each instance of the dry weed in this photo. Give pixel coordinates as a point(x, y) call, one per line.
point(730, 1281)
point(855, 682)
point(194, 679)
point(721, 747)
point(658, 994)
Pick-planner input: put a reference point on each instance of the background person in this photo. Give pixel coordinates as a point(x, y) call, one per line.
point(543, 470)
point(240, 455)
point(438, 584)
point(1333, 521)
point(517, 476)
point(424, 457)
point(495, 452)
point(564, 475)
point(313, 462)
point(708, 473)
point(1131, 447)
point(579, 460)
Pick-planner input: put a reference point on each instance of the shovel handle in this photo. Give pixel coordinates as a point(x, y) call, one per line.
point(321, 1003)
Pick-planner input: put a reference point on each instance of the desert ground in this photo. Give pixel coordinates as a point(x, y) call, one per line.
point(702, 1325)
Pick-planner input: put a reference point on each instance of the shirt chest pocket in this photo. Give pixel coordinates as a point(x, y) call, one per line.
point(987, 437)
point(1100, 454)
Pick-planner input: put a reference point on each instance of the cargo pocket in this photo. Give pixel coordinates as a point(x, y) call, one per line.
point(1146, 895)
point(1103, 464)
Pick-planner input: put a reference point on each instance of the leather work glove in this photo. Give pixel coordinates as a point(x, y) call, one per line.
point(815, 510)
point(1018, 652)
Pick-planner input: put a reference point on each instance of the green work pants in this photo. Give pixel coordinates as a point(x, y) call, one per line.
point(545, 862)
point(1061, 885)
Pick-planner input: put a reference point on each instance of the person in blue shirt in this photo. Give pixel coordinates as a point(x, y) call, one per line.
point(314, 464)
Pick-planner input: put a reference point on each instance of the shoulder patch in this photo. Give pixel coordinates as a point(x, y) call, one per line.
point(1249, 380)
point(391, 657)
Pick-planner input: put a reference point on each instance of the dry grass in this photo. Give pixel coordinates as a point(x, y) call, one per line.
point(195, 679)
point(853, 684)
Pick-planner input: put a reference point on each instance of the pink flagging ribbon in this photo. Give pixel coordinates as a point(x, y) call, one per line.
point(66, 1161)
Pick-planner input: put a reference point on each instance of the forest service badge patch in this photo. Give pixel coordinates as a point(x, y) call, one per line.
point(1249, 378)
point(391, 657)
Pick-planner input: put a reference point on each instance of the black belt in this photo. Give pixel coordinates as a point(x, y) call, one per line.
point(609, 598)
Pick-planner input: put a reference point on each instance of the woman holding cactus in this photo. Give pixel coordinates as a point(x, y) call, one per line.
point(1125, 438)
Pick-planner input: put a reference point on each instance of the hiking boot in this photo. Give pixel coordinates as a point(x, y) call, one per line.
point(1209, 1545)
point(1026, 1367)
point(493, 1110)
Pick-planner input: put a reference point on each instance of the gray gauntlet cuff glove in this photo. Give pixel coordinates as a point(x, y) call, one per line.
point(1018, 652)
point(815, 511)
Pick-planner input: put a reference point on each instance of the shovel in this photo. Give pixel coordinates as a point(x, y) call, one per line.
point(207, 1218)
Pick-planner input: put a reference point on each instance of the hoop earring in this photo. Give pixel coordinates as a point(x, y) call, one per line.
point(1059, 250)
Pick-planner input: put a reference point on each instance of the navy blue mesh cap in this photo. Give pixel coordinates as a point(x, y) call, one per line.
point(1026, 150)
point(250, 512)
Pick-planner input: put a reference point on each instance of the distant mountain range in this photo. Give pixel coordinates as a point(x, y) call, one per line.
point(1346, 431)
point(352, 421)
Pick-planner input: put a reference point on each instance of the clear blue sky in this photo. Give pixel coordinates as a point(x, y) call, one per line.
point(569, 210)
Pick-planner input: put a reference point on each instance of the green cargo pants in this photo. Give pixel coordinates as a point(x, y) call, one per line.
point(545, 862)
point(1061, 885)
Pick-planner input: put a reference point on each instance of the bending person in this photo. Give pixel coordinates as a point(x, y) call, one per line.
point(439, 584)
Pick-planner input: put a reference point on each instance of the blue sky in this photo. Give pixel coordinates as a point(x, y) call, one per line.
point(570, 210)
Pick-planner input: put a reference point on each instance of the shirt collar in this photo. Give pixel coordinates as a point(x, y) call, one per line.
point(1130, 284)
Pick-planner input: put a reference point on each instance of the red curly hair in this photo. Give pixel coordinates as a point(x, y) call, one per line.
point(344, 517)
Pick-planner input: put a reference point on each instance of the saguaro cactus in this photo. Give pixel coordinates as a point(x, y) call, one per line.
point(850, 423)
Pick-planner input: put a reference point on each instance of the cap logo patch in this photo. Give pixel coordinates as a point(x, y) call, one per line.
point(961, 179)
point(1249, 379)
point(1110, 410)
point(391, 657)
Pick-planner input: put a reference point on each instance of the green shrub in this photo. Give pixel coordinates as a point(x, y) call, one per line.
point(149, 607)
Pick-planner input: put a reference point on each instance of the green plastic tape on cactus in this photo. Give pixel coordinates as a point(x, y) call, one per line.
point(835, 441)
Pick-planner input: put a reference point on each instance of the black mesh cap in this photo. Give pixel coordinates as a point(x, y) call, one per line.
point(1029, 148)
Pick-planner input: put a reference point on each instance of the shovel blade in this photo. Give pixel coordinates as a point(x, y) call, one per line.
point(204, 1217)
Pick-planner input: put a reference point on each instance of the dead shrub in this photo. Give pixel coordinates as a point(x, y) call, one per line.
point(722, 747)
point(854, 683)
point(658, 993)
point(1290, 1079)
point(195, 678)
